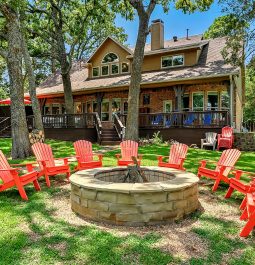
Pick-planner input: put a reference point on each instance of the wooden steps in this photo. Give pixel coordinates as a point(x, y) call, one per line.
point(110, 136)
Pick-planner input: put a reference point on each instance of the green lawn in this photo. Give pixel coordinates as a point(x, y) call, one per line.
point(45, 231)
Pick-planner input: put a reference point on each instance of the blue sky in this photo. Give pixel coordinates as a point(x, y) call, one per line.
point(176, 22)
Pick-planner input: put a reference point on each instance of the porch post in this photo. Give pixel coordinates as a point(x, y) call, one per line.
point(231, 101)
point(99, 97)
point(179, 91)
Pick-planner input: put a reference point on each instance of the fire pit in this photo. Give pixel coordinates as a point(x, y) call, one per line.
point(101, 195)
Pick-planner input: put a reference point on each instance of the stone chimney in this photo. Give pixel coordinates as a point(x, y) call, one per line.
point(157, 34)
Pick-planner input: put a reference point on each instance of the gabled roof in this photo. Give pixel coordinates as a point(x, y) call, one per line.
point(116, 41)
point(210, 65)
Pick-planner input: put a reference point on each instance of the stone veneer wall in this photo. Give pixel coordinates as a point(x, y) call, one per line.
point(135, 208)
point(244, 141)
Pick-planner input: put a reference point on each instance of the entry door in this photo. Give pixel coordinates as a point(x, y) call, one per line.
point(168, 106)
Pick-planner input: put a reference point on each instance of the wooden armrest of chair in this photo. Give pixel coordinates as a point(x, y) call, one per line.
point(160, 158)
point(11, 169)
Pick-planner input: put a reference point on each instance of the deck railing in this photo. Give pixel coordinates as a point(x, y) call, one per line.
point(98, 126)
point(120, 128)
point(192, 119)
point(85, 120)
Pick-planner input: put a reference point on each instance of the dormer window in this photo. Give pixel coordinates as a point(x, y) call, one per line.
point(171, 61)
point(115, 69)
point(95, 71)
point(110, 58)
point(124, 67)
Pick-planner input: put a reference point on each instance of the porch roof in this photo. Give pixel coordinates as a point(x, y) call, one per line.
point(210, 65)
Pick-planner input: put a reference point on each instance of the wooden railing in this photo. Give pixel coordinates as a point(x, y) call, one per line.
point(98, 126)
point(120, 128)
point(85, 120)
point(192, 119)
point(5, 123)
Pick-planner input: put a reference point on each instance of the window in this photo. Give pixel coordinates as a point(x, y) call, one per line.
point(178, 60)
point(55, 108)
point(198, 101)
point(212, 100)
point(125, 106)
point(105, 70)
point(146, 99)
point(124, 67)
point(185, 102)
point(105, 110)
point(77, 107)
point(167, 106)
point(115, 69)
point(95, 71)
point(225, 100)
point(170, 61)
point(116, 102)
point(47, 110)
point(110, 58)
point(167, 61)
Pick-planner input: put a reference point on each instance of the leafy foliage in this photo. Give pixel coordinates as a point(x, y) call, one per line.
point(249, 113)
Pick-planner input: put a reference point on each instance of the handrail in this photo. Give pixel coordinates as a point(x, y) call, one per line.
point(120, 128)
point(98, 126)
point(5, 123)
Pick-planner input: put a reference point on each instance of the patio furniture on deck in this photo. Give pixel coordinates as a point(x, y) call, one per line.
point(128, 149)
point(210, 140)
point(226, 138)
point(176, 157)
point(158, 120)
point(46, 161)
point(84, 155)
point(190, 119)
point(10, 177)
point(207, 119)
point(223, 167)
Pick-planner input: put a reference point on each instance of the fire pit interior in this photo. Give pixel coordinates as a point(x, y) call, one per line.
point(160, 195)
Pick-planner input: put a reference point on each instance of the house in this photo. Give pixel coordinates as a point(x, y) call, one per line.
point(186, 89)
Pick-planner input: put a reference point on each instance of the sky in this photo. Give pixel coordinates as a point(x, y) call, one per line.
point(175, 23)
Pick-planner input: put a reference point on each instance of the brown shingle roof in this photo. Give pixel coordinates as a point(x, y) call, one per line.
point(210, 64)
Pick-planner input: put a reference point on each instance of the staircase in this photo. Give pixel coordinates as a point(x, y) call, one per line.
point(109, 134)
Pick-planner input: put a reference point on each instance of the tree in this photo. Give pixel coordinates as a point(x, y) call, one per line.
point(13, 56)
point(144, 10)
point(76, 24)
point(222, 27)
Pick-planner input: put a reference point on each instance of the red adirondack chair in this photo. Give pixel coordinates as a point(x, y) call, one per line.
point(248, 214)
point(223, 167)
point(226, 138)
point(237, 184)
point(46, 161)
point(176, 157)
point(128, 149)
point(85, 155)
point(10, 177)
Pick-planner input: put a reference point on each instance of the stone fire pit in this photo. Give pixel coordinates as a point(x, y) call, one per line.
point(99, 194)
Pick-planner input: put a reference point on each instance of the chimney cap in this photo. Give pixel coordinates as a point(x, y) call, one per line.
point(157, 21)
point(175, 38)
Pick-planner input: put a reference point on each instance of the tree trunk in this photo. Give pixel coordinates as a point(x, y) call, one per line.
point(132, 130)
point(32, 87)
point(65, 65)
point(20, 141)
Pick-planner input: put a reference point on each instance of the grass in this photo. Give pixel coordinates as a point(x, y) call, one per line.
point(34, 233)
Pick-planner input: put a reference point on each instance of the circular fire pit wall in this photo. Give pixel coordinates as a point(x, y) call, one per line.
point(101, 195)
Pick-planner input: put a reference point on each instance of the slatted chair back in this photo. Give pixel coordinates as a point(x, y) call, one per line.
point(83, 150)
point(227, 132)
point(128, 149)
point(177, 151)
point(43, 152)
point(6, 176)
point(210, 137)
point(228, 158)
